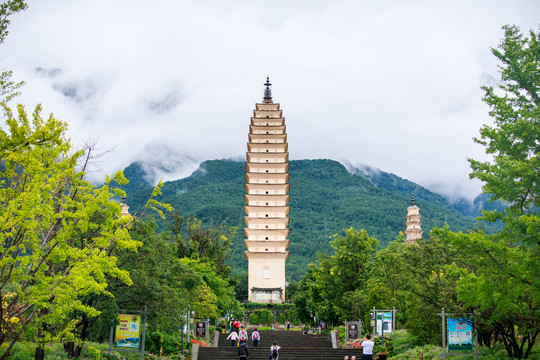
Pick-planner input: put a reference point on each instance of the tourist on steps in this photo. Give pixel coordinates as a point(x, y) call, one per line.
point(274, 352)
point(233, 336)
point(367, 346)
point(243, 352)
point(256, 337)
point(243, 335)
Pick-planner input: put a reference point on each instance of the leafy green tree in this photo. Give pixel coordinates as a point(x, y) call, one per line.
point(500, 283)
point(167, 285)
point(52, 251)
point(387, 279)
point(501, 275)
point(335, 289)
point(241, 286)
point(196, 241)
point(427, 286)
point(512, 141)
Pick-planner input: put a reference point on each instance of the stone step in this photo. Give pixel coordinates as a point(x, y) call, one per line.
point(285, 339)
point(295, 345)
point(284, 353)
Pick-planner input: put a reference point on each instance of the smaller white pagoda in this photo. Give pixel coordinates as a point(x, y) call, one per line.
point(414, 226)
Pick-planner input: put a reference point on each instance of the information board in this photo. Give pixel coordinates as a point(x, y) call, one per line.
point(128, 331)
point(384, 322)
point(460, 335)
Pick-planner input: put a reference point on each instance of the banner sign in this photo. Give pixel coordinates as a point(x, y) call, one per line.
point(352, 331)
point(384, 322)
point(460, 335)
point(128, 331)
point(200, 329)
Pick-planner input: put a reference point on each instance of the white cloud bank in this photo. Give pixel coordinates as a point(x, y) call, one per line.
point(394, 85)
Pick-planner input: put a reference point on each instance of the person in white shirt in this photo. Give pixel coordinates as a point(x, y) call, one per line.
point(233, 336)
point(367, 346)
point(256, 337)
point(243, 335)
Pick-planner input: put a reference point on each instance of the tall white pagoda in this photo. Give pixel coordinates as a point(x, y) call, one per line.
point(267, 187)
point(414, 226)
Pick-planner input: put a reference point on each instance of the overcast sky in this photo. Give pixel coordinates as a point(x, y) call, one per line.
point(391, 84)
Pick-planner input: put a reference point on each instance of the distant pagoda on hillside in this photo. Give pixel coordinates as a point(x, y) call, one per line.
point(414, 226)
point(267, 178)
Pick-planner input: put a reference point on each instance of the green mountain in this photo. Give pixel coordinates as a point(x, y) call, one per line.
point(325, 198)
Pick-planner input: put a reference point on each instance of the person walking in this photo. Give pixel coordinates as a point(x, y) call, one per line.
point(274, 352)
point(367, 348)
point(233, 336)
point(243, 352)
point(255, 337)
point(243, 335)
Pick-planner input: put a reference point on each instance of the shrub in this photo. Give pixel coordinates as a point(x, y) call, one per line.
point(254, 318)
point(404, 340)
point(261, 316)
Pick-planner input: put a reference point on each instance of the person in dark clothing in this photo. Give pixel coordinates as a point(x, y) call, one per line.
point(243, 352)
point(274, 352)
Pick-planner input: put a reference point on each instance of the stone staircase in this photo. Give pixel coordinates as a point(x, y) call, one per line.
point(295, 345)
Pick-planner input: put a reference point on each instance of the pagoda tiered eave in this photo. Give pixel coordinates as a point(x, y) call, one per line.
point(263, 178)
point(267, 157)
point(266, 223)
point(268, 113)
point(278, 168)
point(267, 121)
point(266, 234)
point(263, 245)
point(266, 211)
point(266, 200)
point(271, 106)
point(267, 138)
point(268, 189)
point(268, 148)
point(263, 254)
point(267, 130)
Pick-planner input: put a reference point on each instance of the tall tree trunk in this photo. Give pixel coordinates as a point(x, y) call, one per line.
point(40, 353)
point(69, 347)
point(85, 332)
point(40, 350)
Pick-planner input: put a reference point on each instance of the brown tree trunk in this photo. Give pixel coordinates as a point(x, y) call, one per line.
point(40, 353)
point(75, 351)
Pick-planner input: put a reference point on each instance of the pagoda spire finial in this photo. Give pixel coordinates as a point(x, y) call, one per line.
point(267, 99)
point(413, 202)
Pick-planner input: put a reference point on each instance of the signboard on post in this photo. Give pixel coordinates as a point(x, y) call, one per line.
point(460, 335)
point(200, 329)
point(128, 331)
point(352, 330)
point(459, 332)
point(384, 323)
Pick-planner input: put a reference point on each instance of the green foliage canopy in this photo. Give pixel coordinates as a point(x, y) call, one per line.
point(56, 231)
